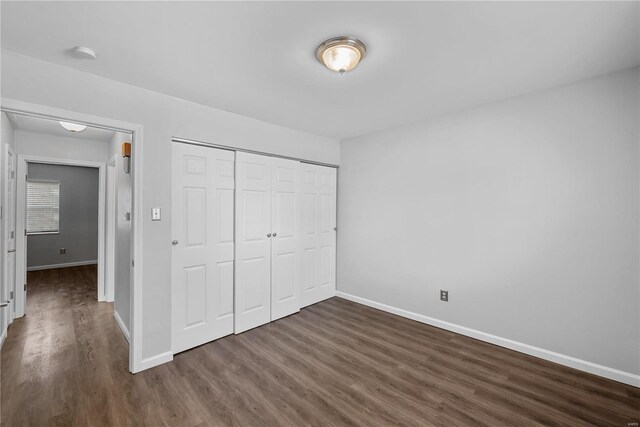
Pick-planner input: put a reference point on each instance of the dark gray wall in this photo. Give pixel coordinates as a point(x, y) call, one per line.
point(78, 217)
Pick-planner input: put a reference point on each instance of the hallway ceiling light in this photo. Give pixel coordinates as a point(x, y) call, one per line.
point(72, 127)
point(341, 54)
point(84, 52)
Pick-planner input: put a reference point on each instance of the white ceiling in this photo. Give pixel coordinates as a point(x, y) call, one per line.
point(257, 59)
point(52, 127)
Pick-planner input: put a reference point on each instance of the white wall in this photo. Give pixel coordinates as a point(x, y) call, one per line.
point(122, 287)
point(8, 134)
point(526, 211)
point(163, 117)
point(78, 221)
point(38, 144)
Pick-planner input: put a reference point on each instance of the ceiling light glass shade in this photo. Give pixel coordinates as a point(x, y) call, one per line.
point(84, 52)
point(341, 54)
point(72, 127)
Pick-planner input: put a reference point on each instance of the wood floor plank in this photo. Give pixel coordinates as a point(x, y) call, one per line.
point(336, 363)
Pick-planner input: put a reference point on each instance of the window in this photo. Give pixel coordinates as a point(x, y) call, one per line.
point(43, 207)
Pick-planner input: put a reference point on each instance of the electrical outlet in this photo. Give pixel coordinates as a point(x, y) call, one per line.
point(444, 295)
point(63, 251)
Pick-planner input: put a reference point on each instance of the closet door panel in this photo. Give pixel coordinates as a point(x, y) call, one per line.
point(319, 235)
point(286, 240)
point(203, 249)
point(253, 244)
point(327, 235)
point(311, 265)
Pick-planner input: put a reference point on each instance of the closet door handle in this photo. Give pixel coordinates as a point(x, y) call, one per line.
point(269, 234)
point(175, 242)
point(275, 234)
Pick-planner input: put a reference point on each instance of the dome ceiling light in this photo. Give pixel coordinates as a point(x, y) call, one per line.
point(72, 127)
point(341, 54)
point(83, 52)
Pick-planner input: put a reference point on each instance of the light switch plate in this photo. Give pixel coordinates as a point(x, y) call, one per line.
point(155, 214)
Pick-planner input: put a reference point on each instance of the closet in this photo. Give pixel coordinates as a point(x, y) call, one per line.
point(254, 240)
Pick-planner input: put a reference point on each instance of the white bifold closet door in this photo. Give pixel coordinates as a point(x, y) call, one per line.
point(268, 241)
point(319, 234)
point(286, 240)
point(203, 245)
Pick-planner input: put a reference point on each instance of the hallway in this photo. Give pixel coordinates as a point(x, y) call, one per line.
point(65, 355)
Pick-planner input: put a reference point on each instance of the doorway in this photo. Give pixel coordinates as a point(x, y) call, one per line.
point(97, 263)
point(61, 208)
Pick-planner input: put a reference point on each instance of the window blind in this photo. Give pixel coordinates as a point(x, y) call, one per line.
point(43, 207)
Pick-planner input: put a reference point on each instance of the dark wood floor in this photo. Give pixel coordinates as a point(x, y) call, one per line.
point(335, 363)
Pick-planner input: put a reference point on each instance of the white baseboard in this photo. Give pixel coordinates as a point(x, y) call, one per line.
point(123, 327)
point(64, 265)
point(572, 362)
point(156, 360)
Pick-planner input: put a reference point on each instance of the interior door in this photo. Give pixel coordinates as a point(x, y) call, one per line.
point(286, 240)
point(253, 241)
point(203, 249)
point(318, 233)
point(10, 233)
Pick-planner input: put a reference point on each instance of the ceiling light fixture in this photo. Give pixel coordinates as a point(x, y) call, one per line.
point(72, 127)
point(84, 52)
point(341, 54)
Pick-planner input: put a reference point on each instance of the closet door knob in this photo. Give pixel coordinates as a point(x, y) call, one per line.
point(268, 234)
point(175, 242)
point(275, 234)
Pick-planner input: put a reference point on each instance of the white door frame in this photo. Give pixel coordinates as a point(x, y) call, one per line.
point(6, 288)
point(136, 130)
point(21, 215)
point(110, 230)
point(3, 285)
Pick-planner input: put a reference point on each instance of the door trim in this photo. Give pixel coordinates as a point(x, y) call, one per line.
point(9, 312)
point(21, 206)
point(244, 150)
point(110, 230)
